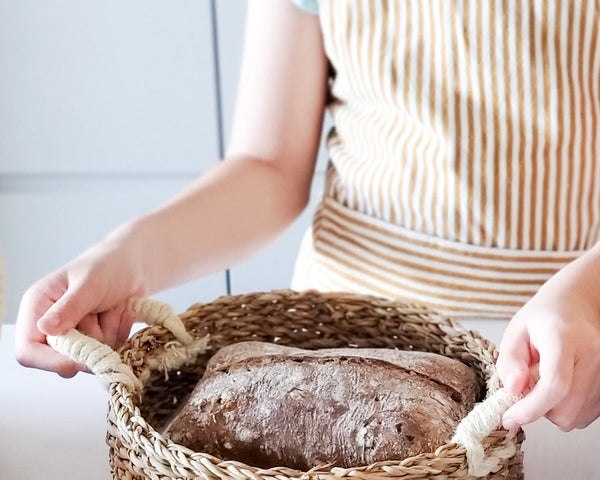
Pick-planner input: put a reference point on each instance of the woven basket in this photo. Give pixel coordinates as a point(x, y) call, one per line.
point(161, 364)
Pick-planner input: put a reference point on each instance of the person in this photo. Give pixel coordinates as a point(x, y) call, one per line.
point(463, 175)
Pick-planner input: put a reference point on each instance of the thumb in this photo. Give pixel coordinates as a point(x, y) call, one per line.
point(64, 314)
point(514, 361)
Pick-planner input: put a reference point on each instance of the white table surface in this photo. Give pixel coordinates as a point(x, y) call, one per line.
point(53, 429)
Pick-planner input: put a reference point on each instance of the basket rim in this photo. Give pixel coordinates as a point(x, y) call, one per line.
point(123, 404)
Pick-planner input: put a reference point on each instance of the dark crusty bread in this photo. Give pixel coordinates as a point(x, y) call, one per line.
point(267, 405)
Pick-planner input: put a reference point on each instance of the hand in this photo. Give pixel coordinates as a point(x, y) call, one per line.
point(89, 294)
point(213, 223)
point(550, 351)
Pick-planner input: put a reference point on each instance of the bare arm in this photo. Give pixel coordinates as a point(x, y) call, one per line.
point(264, 181)
point(229, 213)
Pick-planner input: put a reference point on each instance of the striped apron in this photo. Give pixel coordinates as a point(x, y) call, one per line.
point(465, 154)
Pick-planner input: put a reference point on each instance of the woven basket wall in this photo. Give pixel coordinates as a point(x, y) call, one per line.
point(307, 320)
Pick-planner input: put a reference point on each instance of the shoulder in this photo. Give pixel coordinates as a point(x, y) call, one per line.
point(311, 6)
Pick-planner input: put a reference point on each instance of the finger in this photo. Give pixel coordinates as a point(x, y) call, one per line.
point(591, 410)
point(110, 323)
point(514, 359)
point(129, 317)
point(556, 374)
point(31, 349)
point(586, 391)
point(66, 313)
point(35, 303)
point(89, 325)
point(41, 356)
point(566, 413)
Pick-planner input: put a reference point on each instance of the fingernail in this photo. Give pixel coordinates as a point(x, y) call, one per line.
point(48, 325)
point(511, 384)
point(510, 423)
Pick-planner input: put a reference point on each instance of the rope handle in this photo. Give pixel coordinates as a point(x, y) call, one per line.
point(485, 417)
point(106, 363)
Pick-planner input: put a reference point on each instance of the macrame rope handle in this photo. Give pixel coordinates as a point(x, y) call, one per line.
point(485, 417)
point(153, 312)
point(102, 360)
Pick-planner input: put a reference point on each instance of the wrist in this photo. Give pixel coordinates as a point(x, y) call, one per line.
point(126, 245)
point(148, 249)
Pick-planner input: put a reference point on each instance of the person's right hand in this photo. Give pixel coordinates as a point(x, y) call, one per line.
point(90, 293)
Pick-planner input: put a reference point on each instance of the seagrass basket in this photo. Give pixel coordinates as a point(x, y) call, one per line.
point(160, 365)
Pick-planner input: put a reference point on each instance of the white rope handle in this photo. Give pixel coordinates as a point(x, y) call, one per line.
point(153, 312)
point(485, 417)
point(105, 363)
point(102, 360)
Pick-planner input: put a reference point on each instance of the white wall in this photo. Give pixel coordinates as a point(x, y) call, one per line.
point(106, 110)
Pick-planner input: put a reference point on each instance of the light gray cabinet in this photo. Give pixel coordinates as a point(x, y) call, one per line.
point(111, 87)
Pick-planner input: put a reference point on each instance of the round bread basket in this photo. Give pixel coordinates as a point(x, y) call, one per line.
point(160, 365)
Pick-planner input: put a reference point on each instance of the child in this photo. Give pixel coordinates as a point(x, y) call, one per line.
point(463, 176)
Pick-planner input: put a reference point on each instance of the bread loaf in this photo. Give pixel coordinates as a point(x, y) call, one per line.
point(267, 405)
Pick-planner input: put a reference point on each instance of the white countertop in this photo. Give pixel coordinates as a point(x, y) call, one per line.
point(53, 429)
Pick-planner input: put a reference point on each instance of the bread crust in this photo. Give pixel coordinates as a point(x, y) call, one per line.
point(269, 405)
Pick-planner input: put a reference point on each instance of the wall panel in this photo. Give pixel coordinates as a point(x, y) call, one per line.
point(106, 87)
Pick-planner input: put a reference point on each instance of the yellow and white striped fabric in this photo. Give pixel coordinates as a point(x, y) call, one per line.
point(465, 157)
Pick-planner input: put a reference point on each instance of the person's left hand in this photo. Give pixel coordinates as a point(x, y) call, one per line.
point(550, 351)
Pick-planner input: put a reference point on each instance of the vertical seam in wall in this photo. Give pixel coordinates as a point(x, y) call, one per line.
point(218, 103)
